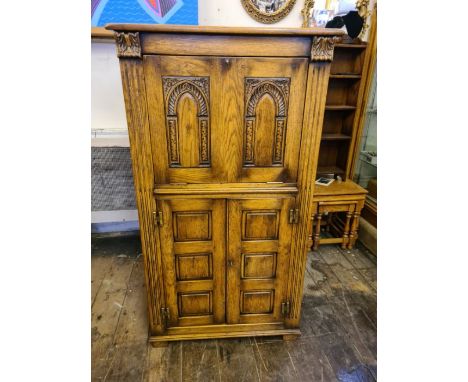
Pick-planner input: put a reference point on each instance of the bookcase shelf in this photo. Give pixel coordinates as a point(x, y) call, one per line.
point(335, 137)
point(339, 107)
point(351, 46)
point(329, 170)
point(345, 76)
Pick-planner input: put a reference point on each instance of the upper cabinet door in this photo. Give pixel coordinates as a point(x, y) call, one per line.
point(180, 96)
point(274, 91)
point(225, 119)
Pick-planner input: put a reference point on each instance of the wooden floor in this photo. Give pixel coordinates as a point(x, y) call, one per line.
point(338, 342)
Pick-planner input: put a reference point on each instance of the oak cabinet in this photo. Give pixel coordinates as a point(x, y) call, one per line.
point(224, 127)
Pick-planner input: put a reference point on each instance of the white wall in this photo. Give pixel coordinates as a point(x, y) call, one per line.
point(107, 103)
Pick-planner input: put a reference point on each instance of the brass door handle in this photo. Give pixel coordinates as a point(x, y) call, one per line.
point(230, 263)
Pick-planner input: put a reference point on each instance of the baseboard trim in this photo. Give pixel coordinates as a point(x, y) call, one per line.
point(112, 227)
point(204, 336)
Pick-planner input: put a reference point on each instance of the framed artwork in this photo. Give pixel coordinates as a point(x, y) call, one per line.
point(268, 11)
point(144, 12)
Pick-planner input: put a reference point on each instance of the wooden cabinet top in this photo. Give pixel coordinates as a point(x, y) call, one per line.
point(214, 30)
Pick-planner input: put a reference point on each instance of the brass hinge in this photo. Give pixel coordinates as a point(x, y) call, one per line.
point(165, 315)
point(158, 217)
point(293, 216)
point(285, 309)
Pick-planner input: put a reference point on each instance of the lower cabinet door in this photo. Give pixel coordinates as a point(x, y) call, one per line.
point(193, 252)
point(259, 240)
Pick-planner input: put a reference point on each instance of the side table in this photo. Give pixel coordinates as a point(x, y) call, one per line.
point(337, 208)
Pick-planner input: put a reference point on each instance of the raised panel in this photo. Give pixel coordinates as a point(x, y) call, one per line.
point(187, 118)
point(265, 121)
point(258, 265)
point(192, 226)
point(197, 266)
point(257, 302)
point(260, 225)
point(194, 304)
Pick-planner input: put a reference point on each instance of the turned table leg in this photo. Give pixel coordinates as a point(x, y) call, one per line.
point(353, 234)
point(317, 232)
point(346, 230)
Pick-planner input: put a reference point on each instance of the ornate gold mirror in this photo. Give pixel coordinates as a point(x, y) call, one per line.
point(268, 11)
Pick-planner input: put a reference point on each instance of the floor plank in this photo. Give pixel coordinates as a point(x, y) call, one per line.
point(106, 313)
point(130, 339)
point(364, 262)
point(164, 364)
point(274, 362)
point(312, 369)
point(237, 360)
point(200, 361)
point(352, 298)
point(100, 266)
point(344, 360)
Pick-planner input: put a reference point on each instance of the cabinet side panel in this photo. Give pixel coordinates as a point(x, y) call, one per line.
point(140, 150)
point(317, 83)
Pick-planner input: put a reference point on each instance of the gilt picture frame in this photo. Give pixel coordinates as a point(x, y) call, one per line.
point(268, 11)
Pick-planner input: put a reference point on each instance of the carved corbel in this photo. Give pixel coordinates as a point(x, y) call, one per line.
point(322, 48)
point(128, 44)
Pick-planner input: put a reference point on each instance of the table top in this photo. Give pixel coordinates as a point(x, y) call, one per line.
point(339, 188)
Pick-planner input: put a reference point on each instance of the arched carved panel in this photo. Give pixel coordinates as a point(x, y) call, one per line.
point(255, 91)
point(177, 89)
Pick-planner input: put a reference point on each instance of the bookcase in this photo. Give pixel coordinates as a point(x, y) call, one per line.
point(337, 208)
point(341, 122)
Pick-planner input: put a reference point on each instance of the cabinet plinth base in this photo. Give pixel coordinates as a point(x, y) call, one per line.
point(159, 344)
point(288, 335)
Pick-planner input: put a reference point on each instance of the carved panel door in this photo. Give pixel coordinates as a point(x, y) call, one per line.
point(259, 241)
point(193, 252)
point(271, 120)
point(183, 117)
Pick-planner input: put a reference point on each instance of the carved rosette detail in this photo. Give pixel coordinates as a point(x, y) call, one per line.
point(128, 44)
point(255, 89)
point(174, 88)
point(322, 48)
